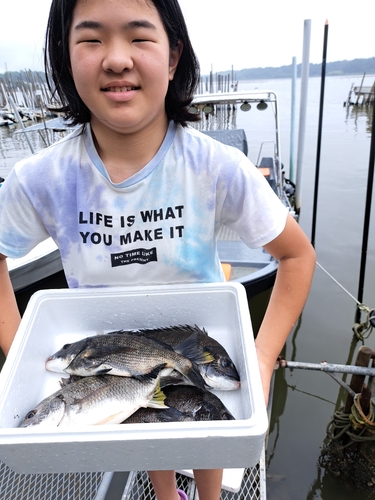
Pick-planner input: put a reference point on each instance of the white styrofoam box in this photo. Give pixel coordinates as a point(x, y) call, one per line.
point(56, 317)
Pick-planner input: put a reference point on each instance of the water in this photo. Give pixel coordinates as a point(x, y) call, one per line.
point(304, 400)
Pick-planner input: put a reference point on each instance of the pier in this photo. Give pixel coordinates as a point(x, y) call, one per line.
point(361, 95)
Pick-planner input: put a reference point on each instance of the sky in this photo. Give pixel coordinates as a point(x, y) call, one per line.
point(225, 34)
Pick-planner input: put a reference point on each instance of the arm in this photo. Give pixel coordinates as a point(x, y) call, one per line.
point(296, 267)
point(9, 314)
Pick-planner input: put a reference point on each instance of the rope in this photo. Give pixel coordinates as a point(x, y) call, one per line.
point(341, 424)
point(337, 283)
point(361, 330)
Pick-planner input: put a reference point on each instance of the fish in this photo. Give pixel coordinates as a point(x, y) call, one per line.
point(150, 416)
point(97, 400)
point(214, 363)
point(122, 354)
point(185, 403)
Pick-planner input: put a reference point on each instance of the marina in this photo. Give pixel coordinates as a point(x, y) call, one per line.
point(328, 316)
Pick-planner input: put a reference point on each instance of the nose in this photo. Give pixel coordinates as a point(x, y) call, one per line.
point(118, 57)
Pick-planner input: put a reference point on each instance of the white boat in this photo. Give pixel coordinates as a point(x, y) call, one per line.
point(43, 261)
point(5, 121)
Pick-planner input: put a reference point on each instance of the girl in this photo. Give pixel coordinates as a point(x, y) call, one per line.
point(134, 196)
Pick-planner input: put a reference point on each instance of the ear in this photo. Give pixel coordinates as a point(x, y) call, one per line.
point(174, 57)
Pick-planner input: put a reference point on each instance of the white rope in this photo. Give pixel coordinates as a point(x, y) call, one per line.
point(361, 330)
point(339, 284)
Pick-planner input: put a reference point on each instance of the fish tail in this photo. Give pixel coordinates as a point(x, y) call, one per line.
point(158, 398)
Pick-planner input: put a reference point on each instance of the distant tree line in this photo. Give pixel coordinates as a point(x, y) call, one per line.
point(354, 67)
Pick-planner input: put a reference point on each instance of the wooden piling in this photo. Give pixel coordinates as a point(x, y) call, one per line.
point(360, 89)
point(357, 381)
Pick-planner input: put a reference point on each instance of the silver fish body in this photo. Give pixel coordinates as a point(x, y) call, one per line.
point(214, 363)
point(124, 355)
point(97, 400)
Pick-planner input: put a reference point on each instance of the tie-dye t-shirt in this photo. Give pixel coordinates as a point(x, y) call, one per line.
point(158, 226)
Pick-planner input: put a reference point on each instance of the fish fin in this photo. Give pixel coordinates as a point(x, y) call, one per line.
point(158, 398)
point(103, 371)
point(155, 332)
point(174, 378)
point(116, 418)
point(151, 336)
point(194, 375)
point(171, 414)
point(201, 330)
point(117, 332)
point(154, 373)
point(191, 349)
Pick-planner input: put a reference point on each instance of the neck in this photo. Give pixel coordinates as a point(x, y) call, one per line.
point(124, 155)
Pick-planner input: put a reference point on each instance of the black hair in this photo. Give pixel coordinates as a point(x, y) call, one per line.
point(58, 68)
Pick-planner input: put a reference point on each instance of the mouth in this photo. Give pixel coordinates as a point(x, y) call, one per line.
point(119, 89)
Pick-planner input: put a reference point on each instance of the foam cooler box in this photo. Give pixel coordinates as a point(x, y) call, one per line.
point(56, 317)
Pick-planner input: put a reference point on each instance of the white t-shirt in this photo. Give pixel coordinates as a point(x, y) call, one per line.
point(158, 226)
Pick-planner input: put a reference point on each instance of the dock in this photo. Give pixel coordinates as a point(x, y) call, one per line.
point(361, 95)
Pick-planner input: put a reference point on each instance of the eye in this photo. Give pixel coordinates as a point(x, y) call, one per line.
point(66, 346)
point(90, 41)
point(226, 363)
point(31, 414)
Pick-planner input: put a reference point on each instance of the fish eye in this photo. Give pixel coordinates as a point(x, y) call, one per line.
point(31, 414)
point(225, 363)
point(66, 346)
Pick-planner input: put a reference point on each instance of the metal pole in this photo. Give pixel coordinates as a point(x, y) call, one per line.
point(326, 367)
point(292, 175)
point(366, 224)
point(317, 168)
point(302, 118)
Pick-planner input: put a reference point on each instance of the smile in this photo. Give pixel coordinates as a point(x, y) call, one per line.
point(120, 89)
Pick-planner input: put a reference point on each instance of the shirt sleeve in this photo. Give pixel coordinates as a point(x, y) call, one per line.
point(21, 228)
point(252, 208)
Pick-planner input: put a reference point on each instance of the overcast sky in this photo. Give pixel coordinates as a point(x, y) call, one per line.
point(242, 33)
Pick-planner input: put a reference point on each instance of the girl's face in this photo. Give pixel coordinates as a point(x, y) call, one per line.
point(121, 63)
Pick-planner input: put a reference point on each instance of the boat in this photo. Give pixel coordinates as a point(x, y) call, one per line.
point(3, 122)
point(42, 262)
point(254, 268)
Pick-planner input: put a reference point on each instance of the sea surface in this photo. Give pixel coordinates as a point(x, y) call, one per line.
point(304, 401)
